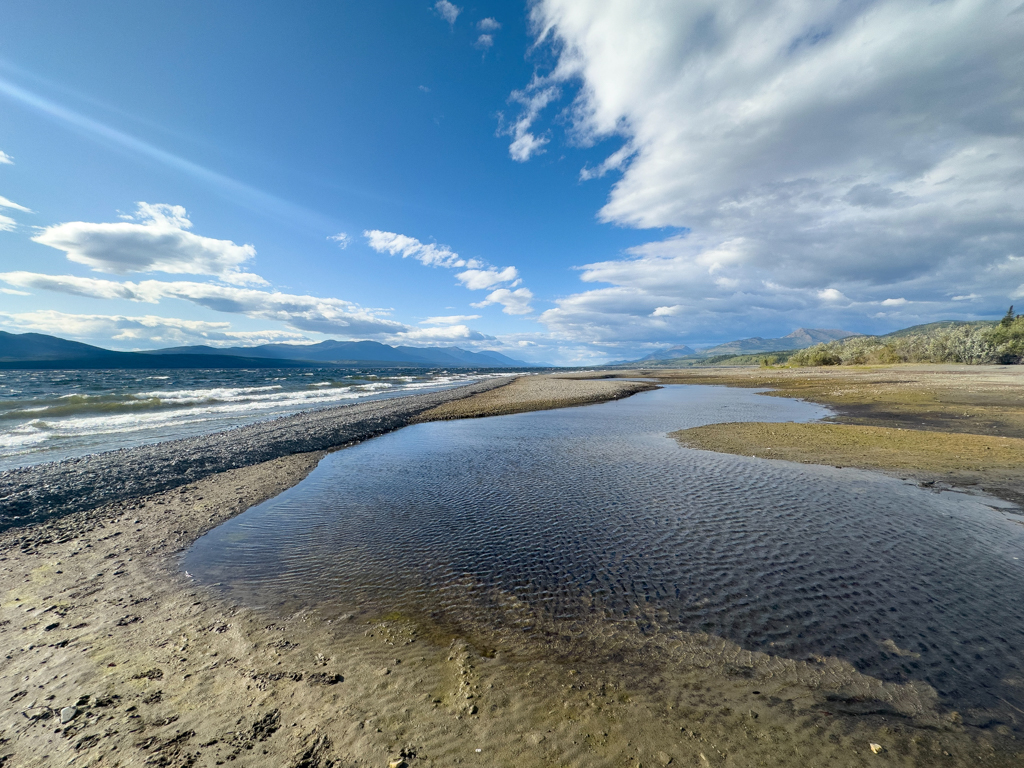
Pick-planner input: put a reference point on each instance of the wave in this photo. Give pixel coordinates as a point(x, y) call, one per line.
point(41, 420)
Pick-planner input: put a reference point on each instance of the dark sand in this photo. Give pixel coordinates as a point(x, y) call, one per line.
point(96, 616)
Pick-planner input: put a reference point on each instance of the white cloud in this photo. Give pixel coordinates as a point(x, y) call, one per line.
point(831, 294)
point(342, 239)
point(440, 334)
point(145, 329)
point(447, 11)
point(154, 240)
point(5, 203)
point(894, 302)
point(428, 254)
point(6, 159)
point(484, 41)
point(303, 313)
point(876, 148)
point(479, 279)
point(515, 302)
point(476, 275)
point(12, 292)
point(449, 319)
point(7, 224)
point(525, 143)
point(490, 24)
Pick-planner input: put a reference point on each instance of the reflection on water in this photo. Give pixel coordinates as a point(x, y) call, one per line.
point(593, 513)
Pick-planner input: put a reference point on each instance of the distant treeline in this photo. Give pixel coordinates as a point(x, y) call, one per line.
point(970, 343)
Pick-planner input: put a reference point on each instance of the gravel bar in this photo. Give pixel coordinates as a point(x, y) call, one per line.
point(33, 494)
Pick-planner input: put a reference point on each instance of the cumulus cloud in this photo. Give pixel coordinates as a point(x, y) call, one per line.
point(144, 329)
point(440, 334)
point(447, 11)
point(154, 239)
point(342, 239)
point(489, 24)
point(873, 149)
point(484, 41)
point(479, 279)
point(515, 302)
point(303, 313)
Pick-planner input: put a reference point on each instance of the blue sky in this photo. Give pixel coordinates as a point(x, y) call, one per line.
point(563, 180)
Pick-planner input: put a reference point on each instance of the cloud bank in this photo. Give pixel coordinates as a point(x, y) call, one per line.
point(303, 313)
point(818, 158)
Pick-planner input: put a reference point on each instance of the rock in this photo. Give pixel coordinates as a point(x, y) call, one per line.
point(664, 758)
point(68, 714)
point(473, 709)
point(876, 748)
point(398, 764)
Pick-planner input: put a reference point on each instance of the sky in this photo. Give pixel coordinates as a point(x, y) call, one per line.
point(568, 181)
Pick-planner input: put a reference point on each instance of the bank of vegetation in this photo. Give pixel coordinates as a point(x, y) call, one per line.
point(970, 343)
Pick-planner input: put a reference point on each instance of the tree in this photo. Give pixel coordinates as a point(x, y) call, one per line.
point(1008, 318)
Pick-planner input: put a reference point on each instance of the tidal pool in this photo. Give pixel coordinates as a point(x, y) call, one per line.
point(594, 514)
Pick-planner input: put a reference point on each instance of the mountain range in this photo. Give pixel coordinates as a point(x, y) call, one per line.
point(798, 339)
point(36, 350)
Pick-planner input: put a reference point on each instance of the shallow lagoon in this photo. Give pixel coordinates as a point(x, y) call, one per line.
point(594, 514)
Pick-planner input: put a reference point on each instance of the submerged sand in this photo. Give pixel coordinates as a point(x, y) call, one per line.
point(115, 657)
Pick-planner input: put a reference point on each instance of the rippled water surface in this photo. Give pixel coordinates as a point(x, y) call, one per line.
point(594, 511)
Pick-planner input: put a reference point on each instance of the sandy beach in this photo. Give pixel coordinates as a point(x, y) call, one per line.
point(114, 657)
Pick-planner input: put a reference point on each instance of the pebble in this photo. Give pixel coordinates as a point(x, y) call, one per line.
point(876, 748)
point(68, 714)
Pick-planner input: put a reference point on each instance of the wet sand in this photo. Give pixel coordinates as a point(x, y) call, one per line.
point(956, 426)
point(100, 628)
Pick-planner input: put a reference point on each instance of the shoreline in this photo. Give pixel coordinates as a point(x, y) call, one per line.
point(44, 491)
point(956, 427)
point(102, 627)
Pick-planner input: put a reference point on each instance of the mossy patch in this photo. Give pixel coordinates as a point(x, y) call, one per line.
point(851, 445)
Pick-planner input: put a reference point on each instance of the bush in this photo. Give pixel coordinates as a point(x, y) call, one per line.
point(968, 344)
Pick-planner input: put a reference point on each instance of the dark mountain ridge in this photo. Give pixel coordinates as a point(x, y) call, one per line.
point(40, 351)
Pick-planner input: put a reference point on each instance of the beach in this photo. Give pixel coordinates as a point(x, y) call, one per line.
point(952, 426)
point(114, 656)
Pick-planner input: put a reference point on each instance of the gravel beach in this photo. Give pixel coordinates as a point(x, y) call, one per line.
point(47, 490)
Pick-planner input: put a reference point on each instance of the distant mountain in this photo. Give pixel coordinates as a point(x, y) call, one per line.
point(36, 350)
point(798, 339)
point(363, 353)
point(39, 351)
point(801, 338)
point(680, 350)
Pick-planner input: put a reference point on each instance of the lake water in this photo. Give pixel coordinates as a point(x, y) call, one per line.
point(52, 415)
point(594, 513)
